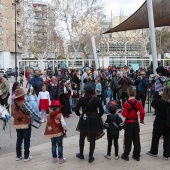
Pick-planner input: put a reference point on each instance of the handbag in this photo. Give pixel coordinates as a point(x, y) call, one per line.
point(83, 123)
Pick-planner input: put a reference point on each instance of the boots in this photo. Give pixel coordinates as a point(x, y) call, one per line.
point(80, 156)
point(91, 158)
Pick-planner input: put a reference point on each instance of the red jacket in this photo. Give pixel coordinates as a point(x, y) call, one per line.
point(132, 114)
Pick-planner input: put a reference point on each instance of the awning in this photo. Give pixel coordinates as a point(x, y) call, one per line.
point(139, 19)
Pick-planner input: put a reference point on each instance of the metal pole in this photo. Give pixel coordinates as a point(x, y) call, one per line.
point(152, 34)
point(94, 52)
point(16, 74)
point(15, 44)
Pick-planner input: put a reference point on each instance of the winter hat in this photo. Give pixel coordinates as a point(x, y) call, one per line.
point(89, 87)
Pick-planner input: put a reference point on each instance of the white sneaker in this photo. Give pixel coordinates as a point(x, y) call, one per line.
point(166, 158)
point(19, 158)
point(150, 154)
point(28, 159)
point(107, 156)
point(116, 157)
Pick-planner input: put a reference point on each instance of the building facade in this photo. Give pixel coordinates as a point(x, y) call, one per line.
point(42, 41)
point(7, 32)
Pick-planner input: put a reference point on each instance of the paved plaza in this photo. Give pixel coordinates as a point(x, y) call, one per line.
point(41, 150)
point(42, 155)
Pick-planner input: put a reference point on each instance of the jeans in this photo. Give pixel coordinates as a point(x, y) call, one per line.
point(57, 141)
point(26, 135)
point(104, 96)
point(110, 139)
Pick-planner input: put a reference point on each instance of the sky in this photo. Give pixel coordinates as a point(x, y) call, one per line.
point(128, 7)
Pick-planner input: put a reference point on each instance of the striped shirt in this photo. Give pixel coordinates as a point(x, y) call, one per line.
point(159, 83)
point(28, 109)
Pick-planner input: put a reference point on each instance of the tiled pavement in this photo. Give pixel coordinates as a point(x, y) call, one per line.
point(42, 156)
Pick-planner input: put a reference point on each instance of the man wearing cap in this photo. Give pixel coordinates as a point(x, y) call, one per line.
point(23, 113)
point(37, 82)
point(4, 91)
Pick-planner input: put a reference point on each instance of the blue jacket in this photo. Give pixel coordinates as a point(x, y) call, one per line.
point(143, 83)
point(36, 83)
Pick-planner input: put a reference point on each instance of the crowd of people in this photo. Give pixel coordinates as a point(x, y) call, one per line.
point(53, 96)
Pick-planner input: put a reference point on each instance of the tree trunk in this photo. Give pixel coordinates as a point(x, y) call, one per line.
point(162, 57)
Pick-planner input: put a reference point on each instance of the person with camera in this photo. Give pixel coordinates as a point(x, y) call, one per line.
point(141, 84)
point(161, 124)
point(90, 122)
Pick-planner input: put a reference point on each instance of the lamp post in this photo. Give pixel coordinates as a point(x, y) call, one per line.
point(16, 69)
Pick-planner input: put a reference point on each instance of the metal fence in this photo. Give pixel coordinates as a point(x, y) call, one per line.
point(80, 63)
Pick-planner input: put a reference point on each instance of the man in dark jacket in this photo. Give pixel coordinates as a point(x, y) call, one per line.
point(37, 82)
point(115, 85)
point(141, 84)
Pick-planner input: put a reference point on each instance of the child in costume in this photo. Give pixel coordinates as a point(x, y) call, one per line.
point(23, 113)
point(55, 129)
point(130, 110)
point(44, 101)
point(32, 99)
point(113, 125)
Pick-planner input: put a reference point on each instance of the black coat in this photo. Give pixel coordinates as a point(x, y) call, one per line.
point(112, 130)
point(93, 120)
point(64, 99)
point(53, 91)
point(161, 115)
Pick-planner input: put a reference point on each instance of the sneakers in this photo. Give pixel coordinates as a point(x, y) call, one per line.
point(126, 158)
point(28, 159)
point(80, 156)
point(116, 157)
point(54, 160)
point(166, 158)
point(150, 154)
point(62, 160)
point(107, 156)
point(19, 158)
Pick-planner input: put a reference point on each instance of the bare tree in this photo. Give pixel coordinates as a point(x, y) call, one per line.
point(77, 21)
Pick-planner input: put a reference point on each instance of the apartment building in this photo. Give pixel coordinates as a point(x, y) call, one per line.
point(7, 32)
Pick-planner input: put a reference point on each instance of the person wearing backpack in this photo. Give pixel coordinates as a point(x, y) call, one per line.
point(132, 129)
point(113, 125)
point(161, 124)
